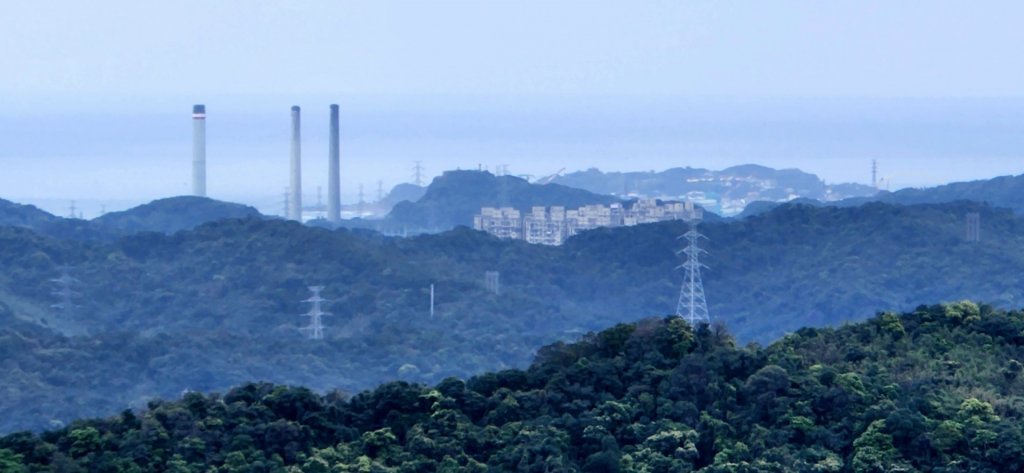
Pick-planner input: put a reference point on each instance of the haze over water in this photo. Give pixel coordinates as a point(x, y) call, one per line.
point(932, 90)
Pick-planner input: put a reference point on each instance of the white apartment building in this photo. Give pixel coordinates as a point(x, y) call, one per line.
point(553, 226)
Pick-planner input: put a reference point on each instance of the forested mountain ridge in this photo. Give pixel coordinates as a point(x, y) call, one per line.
point(217, 306)
point(733, 182)
point(172, 214)
point(1003, 192)
point(936, 389)
point(454, 197)
point(168, 215)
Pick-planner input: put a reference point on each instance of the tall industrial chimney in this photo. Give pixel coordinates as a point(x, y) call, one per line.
point(295, 202)
point(199, 150)
point(334, 171)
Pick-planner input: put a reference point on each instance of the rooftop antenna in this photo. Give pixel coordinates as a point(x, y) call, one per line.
point(692, 305)
point(315, 329)
point(417, 177)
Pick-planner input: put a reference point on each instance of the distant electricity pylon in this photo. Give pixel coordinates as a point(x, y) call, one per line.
point(692, 306)
point(874, 174)
point(974, 226)
point(491, 282)
point(64, 291)
point(417, 177)
point(315, 329)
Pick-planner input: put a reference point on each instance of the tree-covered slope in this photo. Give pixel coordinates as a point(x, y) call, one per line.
point(453, 198)
point(226, 296)
point(1003, 191)
point(936, 389)
point(29, 216)
point(168, 215)
point(171, 215)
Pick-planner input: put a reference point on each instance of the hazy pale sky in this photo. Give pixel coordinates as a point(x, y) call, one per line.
point(119, 50)
point(539, 84)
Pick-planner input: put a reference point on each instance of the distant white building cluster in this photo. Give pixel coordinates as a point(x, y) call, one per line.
point(552, 226)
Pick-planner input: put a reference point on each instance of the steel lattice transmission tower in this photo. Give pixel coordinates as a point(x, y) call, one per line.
point(692, 306)
point(65, 292)
point(315, 329)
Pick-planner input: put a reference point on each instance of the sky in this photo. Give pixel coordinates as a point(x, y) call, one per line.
point(97, 95)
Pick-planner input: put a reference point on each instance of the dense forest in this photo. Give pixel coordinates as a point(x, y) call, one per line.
point(936, 389)
point(1003, 191)
point(168, 215)
point(207, 309)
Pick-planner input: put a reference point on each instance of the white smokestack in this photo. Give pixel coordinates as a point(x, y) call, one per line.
point(295, 202)
point(199, 150)
point(334, 171)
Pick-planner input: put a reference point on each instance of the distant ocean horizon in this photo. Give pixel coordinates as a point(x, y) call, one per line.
point(123, 158)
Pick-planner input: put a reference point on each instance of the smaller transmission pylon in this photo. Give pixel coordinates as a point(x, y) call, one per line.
point(65, 292)
point(315, 329)
point(692, 306)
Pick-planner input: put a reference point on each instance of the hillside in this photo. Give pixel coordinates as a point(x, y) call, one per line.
point(1004, 192)
point(171, 215)
point(29, 216)
point(163, 215)
point(453, 198)
point(738, 182)
point(932, 388)
point(403, 192)
point(226, 296)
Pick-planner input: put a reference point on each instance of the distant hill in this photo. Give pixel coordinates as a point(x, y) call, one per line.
point(31, 217)
point(403, 192)
point(18, 215)
point(225, 296)
point(164, 215)
point(453, 198)
point(920, 391)
point(171, 215)
point(1004, 192)
point(747, 182)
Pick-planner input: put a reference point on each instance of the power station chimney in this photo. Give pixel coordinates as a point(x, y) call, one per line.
point(334, 171)
point(199, 150)
point(295, 202)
